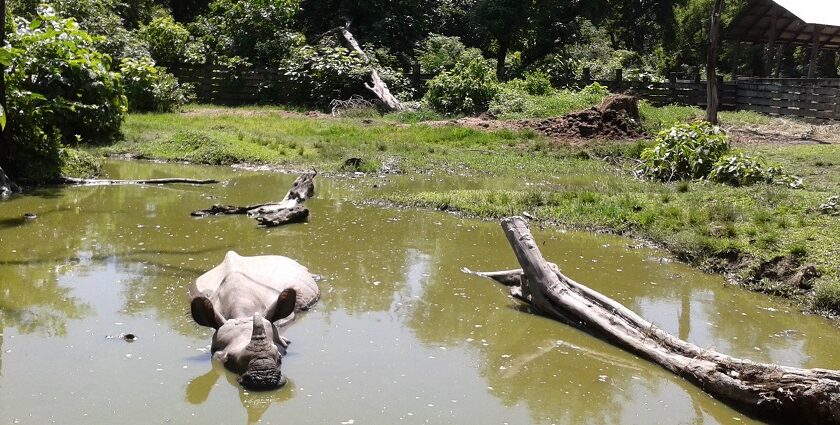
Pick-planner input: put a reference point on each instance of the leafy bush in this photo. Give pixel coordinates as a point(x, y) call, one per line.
point(151, 88)
point(167, 40)
point(59, 91)
point(323, 73)
point(467, 89)
point(684, 152)
point(77, 91)
point(739, 169)
point(535, 84)
point(107, 19)
point(440, 53)
point(76, 163)
point(595, 89)
point(256, 30)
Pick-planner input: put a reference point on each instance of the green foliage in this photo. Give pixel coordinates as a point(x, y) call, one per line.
point(440, 53)
point(151, 88)
point(167, 40)
point(827, 296)
point(323, 73)
point(595, 89)
point(740, 169)
point(108, 19)
point(513, 102)
point(684, 152)
point(256, 30)
point(77, 92)
point(77, 163)
point(467, 89)
point(537, 84)
point(596, 52)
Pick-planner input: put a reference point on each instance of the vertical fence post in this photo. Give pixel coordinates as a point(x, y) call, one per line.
point(672, 87)
point(619, 80)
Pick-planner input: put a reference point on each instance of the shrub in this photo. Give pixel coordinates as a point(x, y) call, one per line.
point(684, 152)
point(323, 73)
point(151, 88)
point(76, 163)
point(440, 53)
point(256, 30)
point(467, 89)
point(595, 89)
point(82, 97)
point(739, 169)
point(167, 40)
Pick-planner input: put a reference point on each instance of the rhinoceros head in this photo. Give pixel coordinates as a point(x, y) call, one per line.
point(250, 346)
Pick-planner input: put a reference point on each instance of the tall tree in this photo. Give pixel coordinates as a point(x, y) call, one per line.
point(504, 20)
point(711, 64)
point(535, 28)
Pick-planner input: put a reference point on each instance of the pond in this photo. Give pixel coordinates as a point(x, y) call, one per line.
point(400, 335)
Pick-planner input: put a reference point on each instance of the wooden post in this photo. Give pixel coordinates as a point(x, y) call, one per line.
point(736, 52)
point(672, 89)
point(711, 65)
point(774, 32)
point(777, 71)
point(815, 51)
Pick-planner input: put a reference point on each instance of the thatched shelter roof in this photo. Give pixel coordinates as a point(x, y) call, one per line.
point(796, 22)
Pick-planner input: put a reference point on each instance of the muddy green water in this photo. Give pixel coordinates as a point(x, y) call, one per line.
point(400, 336)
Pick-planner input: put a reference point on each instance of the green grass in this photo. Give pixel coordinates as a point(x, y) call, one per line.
point(709, 225)
point(274, 137)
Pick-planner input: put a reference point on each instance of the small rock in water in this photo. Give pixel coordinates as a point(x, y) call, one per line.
point(29, 216)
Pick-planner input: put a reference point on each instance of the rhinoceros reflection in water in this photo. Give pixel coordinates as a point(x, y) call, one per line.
point(247, 300)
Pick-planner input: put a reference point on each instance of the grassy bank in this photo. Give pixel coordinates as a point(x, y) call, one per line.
point(765, 236)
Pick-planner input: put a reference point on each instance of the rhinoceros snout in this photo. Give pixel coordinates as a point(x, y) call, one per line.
point(263, 374)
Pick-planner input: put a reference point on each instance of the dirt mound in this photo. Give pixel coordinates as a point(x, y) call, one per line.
point(592, 123)
point(616, 118)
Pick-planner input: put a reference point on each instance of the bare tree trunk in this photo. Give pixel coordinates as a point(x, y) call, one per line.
point(711, 65)
point(289, 210)
point(501, 56)
point(377, 86)
point(806, 396)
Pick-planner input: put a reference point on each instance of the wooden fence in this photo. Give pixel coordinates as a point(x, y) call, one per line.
point(816, 99)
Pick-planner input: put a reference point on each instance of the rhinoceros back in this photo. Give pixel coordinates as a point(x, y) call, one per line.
point(273, 271)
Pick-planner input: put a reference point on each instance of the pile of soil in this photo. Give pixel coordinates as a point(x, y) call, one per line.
point(617, 117)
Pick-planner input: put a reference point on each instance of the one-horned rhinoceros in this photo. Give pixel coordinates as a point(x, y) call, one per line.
point(247, 300)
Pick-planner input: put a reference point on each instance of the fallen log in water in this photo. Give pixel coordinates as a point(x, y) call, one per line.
point(101, 182)
point(289, 210)
point(805, 396)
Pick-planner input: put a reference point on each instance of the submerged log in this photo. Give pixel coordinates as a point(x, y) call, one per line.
point(806, 396)
point(288, 210)
point(100, 182)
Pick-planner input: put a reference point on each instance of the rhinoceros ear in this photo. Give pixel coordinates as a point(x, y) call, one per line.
point(284, 306)
point(204, 314)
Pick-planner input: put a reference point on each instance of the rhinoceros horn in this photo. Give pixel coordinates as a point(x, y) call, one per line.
point(263, 372)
